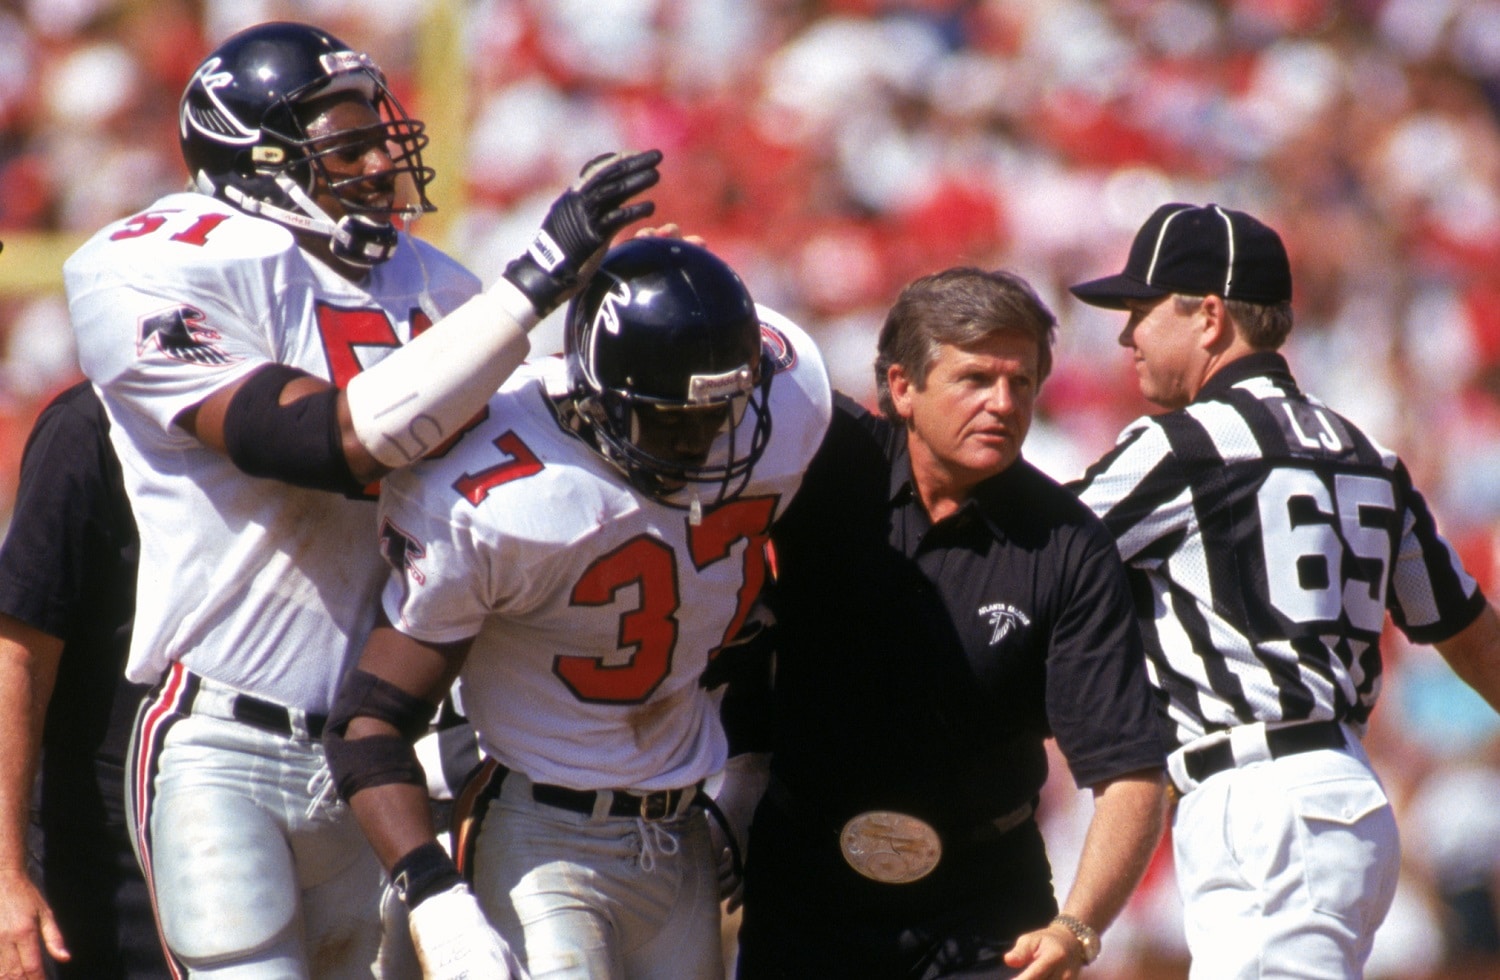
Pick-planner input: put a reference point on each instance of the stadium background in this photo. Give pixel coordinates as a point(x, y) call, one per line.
point(833, 150)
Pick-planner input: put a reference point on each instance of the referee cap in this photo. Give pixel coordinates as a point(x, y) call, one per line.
point(1198, 251)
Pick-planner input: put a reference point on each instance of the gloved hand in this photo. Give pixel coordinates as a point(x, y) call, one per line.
point(745, 660)
point(744, 782)
point(579, 225)
point(454, 941)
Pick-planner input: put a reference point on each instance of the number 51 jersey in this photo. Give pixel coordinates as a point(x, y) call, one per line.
point(252, 582)
point(595, 606)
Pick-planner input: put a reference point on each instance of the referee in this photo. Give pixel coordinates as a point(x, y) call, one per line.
point(1267, 538)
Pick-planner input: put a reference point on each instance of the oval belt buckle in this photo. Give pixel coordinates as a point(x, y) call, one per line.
point(890, 847)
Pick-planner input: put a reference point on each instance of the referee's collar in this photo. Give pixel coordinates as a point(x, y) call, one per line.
point(1259, 364)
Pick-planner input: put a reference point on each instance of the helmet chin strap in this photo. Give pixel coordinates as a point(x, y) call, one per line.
point(354, 238)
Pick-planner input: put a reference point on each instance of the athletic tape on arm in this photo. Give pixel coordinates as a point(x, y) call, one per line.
point(407, 404)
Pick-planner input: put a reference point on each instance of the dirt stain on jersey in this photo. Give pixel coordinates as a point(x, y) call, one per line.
point(662, 719)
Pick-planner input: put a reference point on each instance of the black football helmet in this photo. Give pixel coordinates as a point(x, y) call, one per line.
point(242, 140)
point(667, 325)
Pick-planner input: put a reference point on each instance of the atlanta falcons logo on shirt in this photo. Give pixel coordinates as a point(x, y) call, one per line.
point(402, 551)
point(182, 334)
point(1004, 618)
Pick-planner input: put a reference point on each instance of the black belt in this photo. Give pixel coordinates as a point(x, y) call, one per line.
point(649, 806)
point(1210, 759)
point(273, 717)
point(213, 699)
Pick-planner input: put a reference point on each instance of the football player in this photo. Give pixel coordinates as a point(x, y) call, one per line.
point(266, 344)
point(577, 559)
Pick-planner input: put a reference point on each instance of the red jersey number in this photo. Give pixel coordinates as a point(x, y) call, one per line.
point(648, 632)
point(148, 222)
point(522, 462)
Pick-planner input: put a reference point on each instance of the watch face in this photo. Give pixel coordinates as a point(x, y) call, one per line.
point(890, 847)
point(1085, 934)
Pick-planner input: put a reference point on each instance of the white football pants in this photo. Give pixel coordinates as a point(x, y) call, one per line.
point(257, 872)
point(580, 897)
point(1286, 867)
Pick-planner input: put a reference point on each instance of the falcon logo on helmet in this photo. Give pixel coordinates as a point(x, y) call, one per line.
point(608, 317)
point(217, 123)
point(243, 138)
point(665, 361)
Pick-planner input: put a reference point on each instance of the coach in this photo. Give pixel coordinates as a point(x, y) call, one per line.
point(1267, 538)
point(942, 608)
point(67, 602)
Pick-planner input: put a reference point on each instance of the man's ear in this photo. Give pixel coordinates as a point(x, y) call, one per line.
point(1217, 331)
point(901, 388)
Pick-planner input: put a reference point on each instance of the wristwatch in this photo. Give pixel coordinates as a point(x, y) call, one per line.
point(1087, 937)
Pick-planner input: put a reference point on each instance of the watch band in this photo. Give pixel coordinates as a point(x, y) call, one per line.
point(1086, 935)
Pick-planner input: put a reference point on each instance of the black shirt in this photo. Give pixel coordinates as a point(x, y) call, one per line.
point(67, 568)
point(921, 667)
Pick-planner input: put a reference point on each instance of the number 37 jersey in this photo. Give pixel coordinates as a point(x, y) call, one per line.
point(1268, 538)
point(595, 607)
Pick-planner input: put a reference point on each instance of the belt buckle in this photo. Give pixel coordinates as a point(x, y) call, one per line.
point(890, 847)
point(658, 805)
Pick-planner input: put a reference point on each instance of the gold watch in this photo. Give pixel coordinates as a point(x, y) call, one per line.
point(1086, 935)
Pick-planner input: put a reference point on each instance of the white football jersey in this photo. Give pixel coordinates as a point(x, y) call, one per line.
point(594, 606)
point(252, 582)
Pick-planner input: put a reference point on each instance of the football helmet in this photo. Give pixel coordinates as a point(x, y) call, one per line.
point(665, 333)
point(243, 142)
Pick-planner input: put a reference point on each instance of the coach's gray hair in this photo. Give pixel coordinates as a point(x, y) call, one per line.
point(960, 306)
point(1263, 327)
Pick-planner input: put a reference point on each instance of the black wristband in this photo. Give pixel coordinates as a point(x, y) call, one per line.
point(542, 288)
point(423, 871)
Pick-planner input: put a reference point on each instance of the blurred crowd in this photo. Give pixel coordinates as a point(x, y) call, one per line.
point(833, 150)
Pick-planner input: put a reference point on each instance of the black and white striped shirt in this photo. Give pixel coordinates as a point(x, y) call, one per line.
point(1267, 538)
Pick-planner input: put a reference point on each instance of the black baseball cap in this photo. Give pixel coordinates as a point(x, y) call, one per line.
point(1198, 251)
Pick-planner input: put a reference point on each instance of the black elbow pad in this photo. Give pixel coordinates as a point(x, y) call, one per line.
point(298, 443)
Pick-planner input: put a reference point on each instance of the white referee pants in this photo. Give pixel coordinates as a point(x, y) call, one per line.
point(1286, 867)
point(581, 897)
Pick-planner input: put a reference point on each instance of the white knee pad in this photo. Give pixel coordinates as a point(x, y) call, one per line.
point(221, 902)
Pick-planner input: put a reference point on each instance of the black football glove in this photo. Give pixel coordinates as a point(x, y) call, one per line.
point(746, 659)
point(579, 225)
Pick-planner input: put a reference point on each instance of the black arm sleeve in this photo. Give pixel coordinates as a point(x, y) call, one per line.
point(298, 443)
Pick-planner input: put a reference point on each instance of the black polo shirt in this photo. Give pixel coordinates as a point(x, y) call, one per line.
point(67, 568)
point(921, 667)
